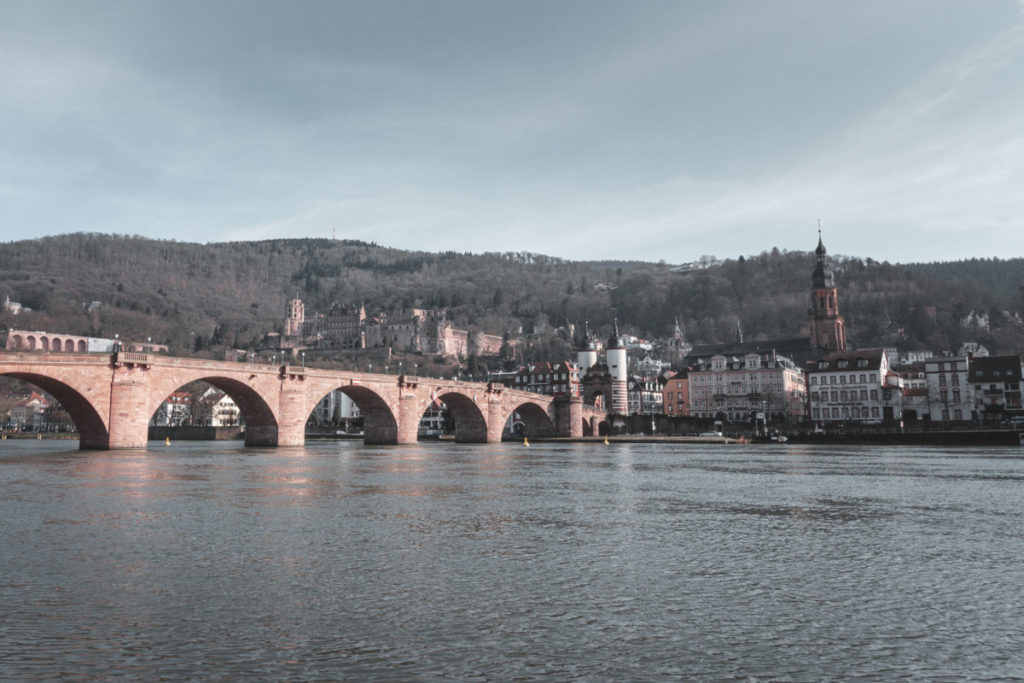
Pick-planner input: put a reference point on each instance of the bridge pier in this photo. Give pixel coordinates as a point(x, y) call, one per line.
point(410, 412)
point(129, 400)
point(292, 411)
point(568, 416)
point(495, 417)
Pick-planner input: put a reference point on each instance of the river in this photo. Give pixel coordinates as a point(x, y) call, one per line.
point(496, 562)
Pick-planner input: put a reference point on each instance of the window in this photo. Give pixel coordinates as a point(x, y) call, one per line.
point(874, 411)
point(832, 379)
point(835, 396)
point(863, 394)
point(814, 379)
point(874, 397)
point(842, 379)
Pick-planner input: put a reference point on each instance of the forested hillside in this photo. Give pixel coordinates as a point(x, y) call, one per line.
point(204, 297)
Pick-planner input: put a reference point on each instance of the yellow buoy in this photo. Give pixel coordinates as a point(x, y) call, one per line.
point(526, 442)
point(167, 441)
point(606, 441)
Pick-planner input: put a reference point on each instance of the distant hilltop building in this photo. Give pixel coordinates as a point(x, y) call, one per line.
point(14, 307)
point(408, 329)
point(36, 340)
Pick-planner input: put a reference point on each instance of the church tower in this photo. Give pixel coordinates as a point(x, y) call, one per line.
point(828, 329)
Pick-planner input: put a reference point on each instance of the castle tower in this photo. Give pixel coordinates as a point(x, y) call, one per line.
point(827, 327)
point(616, 355)
point(294, 317)
point(586, 352)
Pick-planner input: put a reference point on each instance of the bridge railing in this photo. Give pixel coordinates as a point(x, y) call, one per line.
point(131, 357)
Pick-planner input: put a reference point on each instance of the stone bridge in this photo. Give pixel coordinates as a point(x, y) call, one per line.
point(112, 397)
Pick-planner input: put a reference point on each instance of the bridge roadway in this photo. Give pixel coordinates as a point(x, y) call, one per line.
point(112, 397)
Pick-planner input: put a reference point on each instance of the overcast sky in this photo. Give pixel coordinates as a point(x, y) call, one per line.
point(582, 129)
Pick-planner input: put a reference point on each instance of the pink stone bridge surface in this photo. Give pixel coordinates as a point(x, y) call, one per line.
point(111, 398)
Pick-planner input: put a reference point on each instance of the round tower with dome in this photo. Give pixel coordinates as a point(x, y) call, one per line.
point(616, 355)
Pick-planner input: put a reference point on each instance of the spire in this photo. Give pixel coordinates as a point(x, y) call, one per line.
point(739, 332)
point(822, 275)
point(615, 342)
point(820, 251)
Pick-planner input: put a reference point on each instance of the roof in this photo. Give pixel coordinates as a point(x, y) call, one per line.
point(798, 349)
point(848, 360)
point(994, 368)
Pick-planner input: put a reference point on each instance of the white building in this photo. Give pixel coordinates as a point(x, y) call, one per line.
point(225, 413)
point(949, 389)
point(854, 386)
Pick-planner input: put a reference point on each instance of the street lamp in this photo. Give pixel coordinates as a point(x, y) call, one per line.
point(399, 367)
point(303, 356)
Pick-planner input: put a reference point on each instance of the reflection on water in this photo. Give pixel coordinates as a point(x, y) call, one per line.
point(558, 561)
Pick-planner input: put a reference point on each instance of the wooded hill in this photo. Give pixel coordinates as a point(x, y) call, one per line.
point(202, 298)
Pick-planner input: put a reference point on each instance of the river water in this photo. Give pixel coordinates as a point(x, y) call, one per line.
point(496, 562)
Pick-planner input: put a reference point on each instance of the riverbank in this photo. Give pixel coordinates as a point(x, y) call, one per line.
point(988, 437)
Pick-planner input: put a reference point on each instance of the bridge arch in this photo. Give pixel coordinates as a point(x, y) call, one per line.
point(589, 424)
point(380, 426)
point(261, 423)
point(470, 422)
point(91, 426)
point(536, 422)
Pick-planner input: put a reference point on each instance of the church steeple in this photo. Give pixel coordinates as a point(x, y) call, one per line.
point(827, 327)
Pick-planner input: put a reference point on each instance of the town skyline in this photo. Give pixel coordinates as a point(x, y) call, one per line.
point(582, 131)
